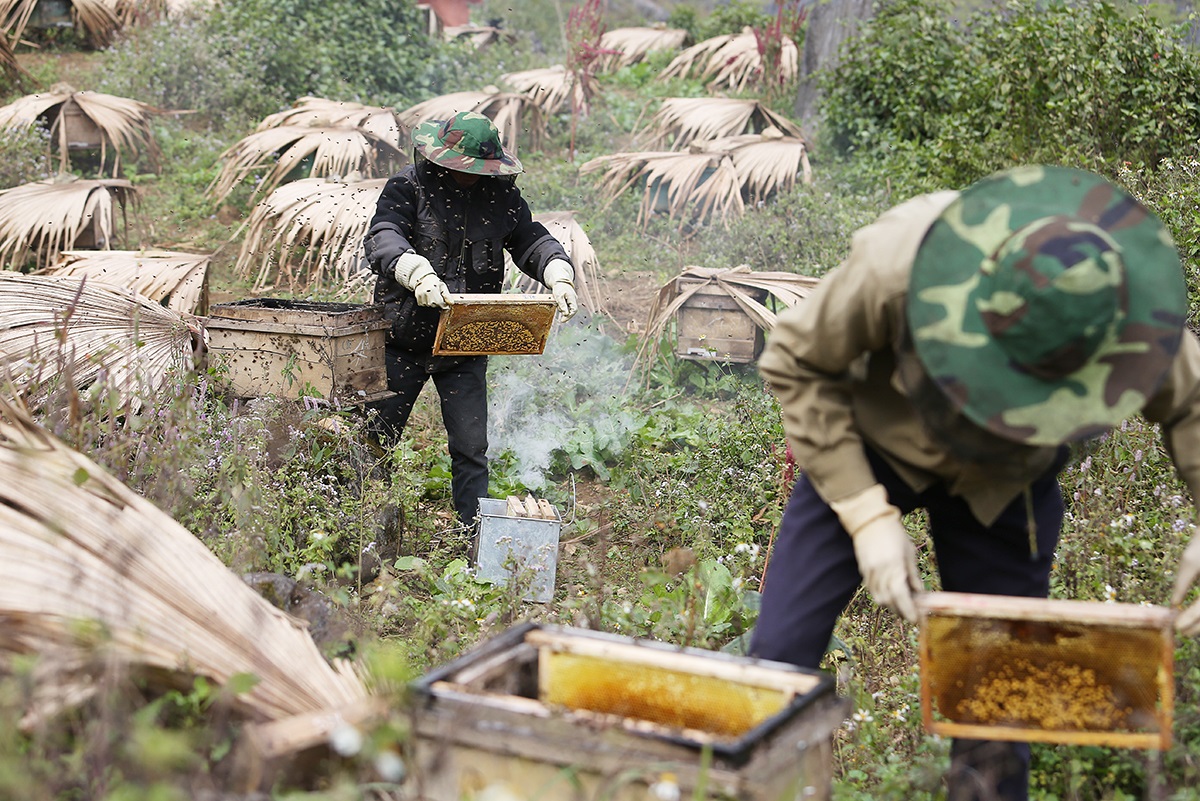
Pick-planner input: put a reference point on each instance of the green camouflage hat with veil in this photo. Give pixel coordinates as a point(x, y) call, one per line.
point(1047, 304)
point(467, 142)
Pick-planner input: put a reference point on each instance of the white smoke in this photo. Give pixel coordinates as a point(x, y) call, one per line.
point(533, 401)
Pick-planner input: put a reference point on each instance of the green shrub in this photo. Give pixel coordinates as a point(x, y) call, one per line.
point(1068, 83)
point(24, 156)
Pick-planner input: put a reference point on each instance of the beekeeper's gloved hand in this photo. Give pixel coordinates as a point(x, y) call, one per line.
point(1188, 622)
point(559, 275)
point(414, 272)
point(886, 556)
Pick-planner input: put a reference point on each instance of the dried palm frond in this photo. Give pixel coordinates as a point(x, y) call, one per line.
point(285, 152)
point(93, 575)
point(713, 177)
point(552, 89)
point(176, 280)
point(83, 120)
point(634, 44)
point(98, 19)
point(689, 186)
point(683, 120)
point(44, 218)
point(66, 333)
point(317, 112)
point(787, 289)
point(513, 114)
point(9, 66)
point(478, 36)
point(766, 163)
point(308, 233)
point(731, 62)
point(563, 226)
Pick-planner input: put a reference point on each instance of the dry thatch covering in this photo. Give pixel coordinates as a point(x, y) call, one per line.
point(566, 229)
point(731, 62)
point(787, 289)
point(308, 233)
point(93, 575)
point(283, 153)
point(711, 179)
point(9, 66)
point(178, 281)
point(100, 20)
point(634, 44)
point(62, 333)
point(318, 112)
point(552, 89)
point(680, 121)
point(86, 120)
point(478, 36)
point(513, 114)
point(695, 185)
point(44, 218)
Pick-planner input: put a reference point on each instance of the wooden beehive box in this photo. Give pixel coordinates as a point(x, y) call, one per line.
point(557, 713)
point(712, 327)
point(1047, 670)
point(292, 348)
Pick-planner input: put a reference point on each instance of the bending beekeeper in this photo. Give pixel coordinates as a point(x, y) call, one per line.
point(967, 338)
point(441, 226)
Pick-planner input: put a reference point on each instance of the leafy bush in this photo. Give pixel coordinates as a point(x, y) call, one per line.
point(1068, 83)
point(245, 59)
point(24, 156)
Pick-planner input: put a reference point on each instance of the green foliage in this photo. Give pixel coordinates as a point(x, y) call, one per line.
point(1172, 190)
point(24, 156)
point(804, 231)
point(184, 64)
point(732, 18)
point(1068, 83)
point(245, 59)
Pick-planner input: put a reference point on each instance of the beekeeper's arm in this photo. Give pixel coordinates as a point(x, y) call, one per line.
point(856, 309)
point(1177, 408)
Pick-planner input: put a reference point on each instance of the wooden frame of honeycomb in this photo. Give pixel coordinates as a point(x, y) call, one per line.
point(1033, 669)
point(494, 325)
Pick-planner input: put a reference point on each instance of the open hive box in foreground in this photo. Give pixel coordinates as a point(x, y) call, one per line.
point(494, 325)
point(1058, 671)
point(558, 713)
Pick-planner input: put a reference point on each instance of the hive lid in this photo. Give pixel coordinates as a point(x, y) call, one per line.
point(297, 313)
point(494, 325)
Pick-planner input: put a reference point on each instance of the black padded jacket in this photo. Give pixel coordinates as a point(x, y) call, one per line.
point(462, 231)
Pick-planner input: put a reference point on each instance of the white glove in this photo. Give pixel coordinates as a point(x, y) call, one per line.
point(559, 275)
point(886, 556)
point(1188, 622)
point(414, 272)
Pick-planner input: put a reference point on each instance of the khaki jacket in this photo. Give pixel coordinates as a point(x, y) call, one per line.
point(835, 362)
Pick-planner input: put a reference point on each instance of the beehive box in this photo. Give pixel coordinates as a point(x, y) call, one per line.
point(712, 327)
point(1032, 669)
point(557, 713)
point(494, 325)
point(521, 549)
point(291, 348)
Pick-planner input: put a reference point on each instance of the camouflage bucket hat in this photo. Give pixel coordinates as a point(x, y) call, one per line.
point(467, 142)
point(1047, 304)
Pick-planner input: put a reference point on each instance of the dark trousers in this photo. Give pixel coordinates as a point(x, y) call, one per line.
point(461, 383)
point(813, 574)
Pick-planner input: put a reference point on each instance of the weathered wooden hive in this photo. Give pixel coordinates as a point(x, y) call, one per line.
point(711, 326)
point(557, 713)
point(291, 349)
